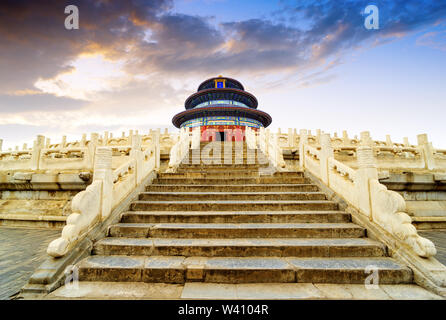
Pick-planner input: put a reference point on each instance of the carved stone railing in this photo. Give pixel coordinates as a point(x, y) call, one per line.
point(389, 154)
point(361, 189)
point(312, 157)
point(251, 138)
point(195, 138)
point(75, 155)
point(107, 190)
point(75, 158)
point(269, 145)
point(179, 149)
point(52, 156)
point(16, 160)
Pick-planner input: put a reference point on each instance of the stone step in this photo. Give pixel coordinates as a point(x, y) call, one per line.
point(223, 143)
point(219, 167)
point(237, 230)
point(228, 205)
point(232, 188)
point(179, 269)
point(222, 148)
point(239, 155)
point(91, 290)
point(180, 196)
point(204, 162)
point(227, 174)
point(351, 270)
point(235, 217)
point(222, 151)
point(209, 151)
point(213, 181)
point(203, 143)
point(356, 247)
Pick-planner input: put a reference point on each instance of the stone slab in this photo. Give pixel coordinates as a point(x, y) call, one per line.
point(409, 292)
point(350, 270)
point(198, 290)
point(164, 269)
point(118, 290)
point(16, 266)
point(351, 291)
point(273, 291)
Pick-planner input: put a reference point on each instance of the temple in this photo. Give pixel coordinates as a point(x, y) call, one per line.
point(286, 214)
point(222, 109)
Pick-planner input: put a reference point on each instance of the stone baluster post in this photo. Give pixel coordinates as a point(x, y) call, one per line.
point(389, 142)
point(367, 170)
point(279, 153)
point(103, 171)
point(181, 143)
point(195, 145)
point(106, 137)
point(129, 139)
point(252, 146)
point(63, 144)
point(345, 138)
point(406, 142)
point(94, 141)
point(318, 136)
point(84, 140)
point(261, 138)
point(136, 153)
point(267, 137)
point(47, 142)
point(427, 150)
point(157, 143)
point(195, 138)
point(25, 147)
point(290, 138)
point(325, 154)
point(302, 142)
point(37, 147)
point(1, 145)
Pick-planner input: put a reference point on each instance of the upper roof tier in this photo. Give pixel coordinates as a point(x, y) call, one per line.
point(228, 83)
point(221, 88)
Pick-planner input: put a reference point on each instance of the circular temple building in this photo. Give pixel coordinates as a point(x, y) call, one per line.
point(222, 108)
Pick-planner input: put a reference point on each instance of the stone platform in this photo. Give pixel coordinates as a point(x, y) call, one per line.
point(217, 291)
point(438, 237)
point(21, 251)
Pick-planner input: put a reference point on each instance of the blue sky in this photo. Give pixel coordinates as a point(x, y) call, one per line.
point(311, 64)
point(228, 10)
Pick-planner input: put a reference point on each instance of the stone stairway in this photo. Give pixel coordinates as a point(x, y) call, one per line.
point(227, 224)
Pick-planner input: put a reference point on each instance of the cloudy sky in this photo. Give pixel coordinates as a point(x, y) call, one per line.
point(311, 64)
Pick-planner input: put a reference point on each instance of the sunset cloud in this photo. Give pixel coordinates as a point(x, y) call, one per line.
point(148, 57)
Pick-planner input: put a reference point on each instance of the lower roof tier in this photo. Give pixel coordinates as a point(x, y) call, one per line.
point(221, 121)
point(238, 112)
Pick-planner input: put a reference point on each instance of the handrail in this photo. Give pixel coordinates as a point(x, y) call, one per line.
point(179, 150)
point(269, 145)
point(342, 169)
point(108, 189)
point(362, 189)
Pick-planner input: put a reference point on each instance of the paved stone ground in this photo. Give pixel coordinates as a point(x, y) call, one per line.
point(438, 237)
point(21, 251)
point(198, 290)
